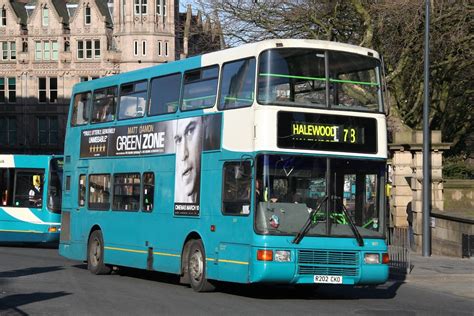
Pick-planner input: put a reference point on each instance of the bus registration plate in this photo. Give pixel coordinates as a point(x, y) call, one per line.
point(328, 279)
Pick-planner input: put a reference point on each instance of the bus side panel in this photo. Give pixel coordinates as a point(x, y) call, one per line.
point(21, 224)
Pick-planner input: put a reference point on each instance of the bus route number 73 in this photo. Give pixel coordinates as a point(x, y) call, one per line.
point(328, 279)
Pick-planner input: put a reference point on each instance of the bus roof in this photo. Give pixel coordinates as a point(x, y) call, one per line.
point(243, 51)
point(25, 161)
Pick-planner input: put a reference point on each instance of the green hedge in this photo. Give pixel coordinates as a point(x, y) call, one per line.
point(457, 168)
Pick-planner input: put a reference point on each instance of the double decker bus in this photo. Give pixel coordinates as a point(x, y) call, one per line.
point(30, 205)
point(260, 163)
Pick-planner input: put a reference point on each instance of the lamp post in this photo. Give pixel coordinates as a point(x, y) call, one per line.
point(426, 141)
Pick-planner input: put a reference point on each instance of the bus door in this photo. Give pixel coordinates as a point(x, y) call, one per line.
point(79, 200)
point(234, 229)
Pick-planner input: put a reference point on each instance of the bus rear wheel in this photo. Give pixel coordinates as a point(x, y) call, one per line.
point(95, 254)
point(197, 268)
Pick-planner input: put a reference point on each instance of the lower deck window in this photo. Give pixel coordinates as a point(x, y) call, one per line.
point(236, 188)
point(126, 192)
point(99, 191)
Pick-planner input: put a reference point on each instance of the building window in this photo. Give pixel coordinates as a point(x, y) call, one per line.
point(7, 130)
point(166, 49)
point(4, 50)
point(11, 90)
point(47, 130)
point(38, 51)
point(45, 16)
point(53, 90)
point(159, 48)
point(135, 48)
point(54, 50)
point(161, 7)
point(12, 50)
point(143, 48)
point(97, 49)
point(87, 15)
point(45, 50)
point(3, 98)
point(7, 88)
point(141, 7)
point(46, 85)
point(88, 49)
point(91, 47)
point(80, 49)
point(3, 22)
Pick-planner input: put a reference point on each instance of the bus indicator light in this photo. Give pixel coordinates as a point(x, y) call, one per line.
point(264, 255)
point(213, 228)
point(53, 229)
point(385, 258)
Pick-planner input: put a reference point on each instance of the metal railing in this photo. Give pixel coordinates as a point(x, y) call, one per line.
point(399, 250)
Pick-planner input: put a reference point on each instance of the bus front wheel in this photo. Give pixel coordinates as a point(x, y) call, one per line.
point(95, 254)
point(197, 267)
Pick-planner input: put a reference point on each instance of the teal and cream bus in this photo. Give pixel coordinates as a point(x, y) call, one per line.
point(30, 205)
point(260, 163)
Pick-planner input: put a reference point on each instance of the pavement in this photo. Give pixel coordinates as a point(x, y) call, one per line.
point(446, 274)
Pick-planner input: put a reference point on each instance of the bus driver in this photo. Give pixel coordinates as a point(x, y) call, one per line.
point(188, 144)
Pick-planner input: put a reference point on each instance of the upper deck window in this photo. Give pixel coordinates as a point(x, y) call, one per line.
point(105, 101)
point(81, 108)
point(200, 88)
point(353, 81)
point(165, 94)
point(298, 77)
point(132, 100)
point(238, 84)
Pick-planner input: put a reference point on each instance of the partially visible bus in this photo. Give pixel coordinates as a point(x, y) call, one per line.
point(260, 163)
point(30, 190)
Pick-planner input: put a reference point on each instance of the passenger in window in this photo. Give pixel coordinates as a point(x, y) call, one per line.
point(34, 194)
point(188, 141)
point(107, 112)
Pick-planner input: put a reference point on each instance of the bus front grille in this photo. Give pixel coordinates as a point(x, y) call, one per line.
point(314, 270)
point(322, 262)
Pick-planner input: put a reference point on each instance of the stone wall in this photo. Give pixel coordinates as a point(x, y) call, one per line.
point(459, 195)
point(446, 234)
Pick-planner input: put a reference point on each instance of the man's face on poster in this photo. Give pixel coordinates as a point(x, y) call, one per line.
point(188, 141)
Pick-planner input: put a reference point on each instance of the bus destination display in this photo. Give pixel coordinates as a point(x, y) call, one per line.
point(327, 132)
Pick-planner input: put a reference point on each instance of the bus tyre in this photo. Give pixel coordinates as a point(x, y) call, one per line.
point(95, 254)
point(197, 267)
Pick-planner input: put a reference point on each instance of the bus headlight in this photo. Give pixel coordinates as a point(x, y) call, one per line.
point(372, 258)
point(282, 255)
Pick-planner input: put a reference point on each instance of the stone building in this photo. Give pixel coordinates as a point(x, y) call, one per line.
point(47, 46)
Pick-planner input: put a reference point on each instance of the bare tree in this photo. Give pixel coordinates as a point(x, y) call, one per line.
point(393, 27)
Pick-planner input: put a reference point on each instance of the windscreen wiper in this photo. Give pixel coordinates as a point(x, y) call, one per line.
point(357, 235)
point(309, 223)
